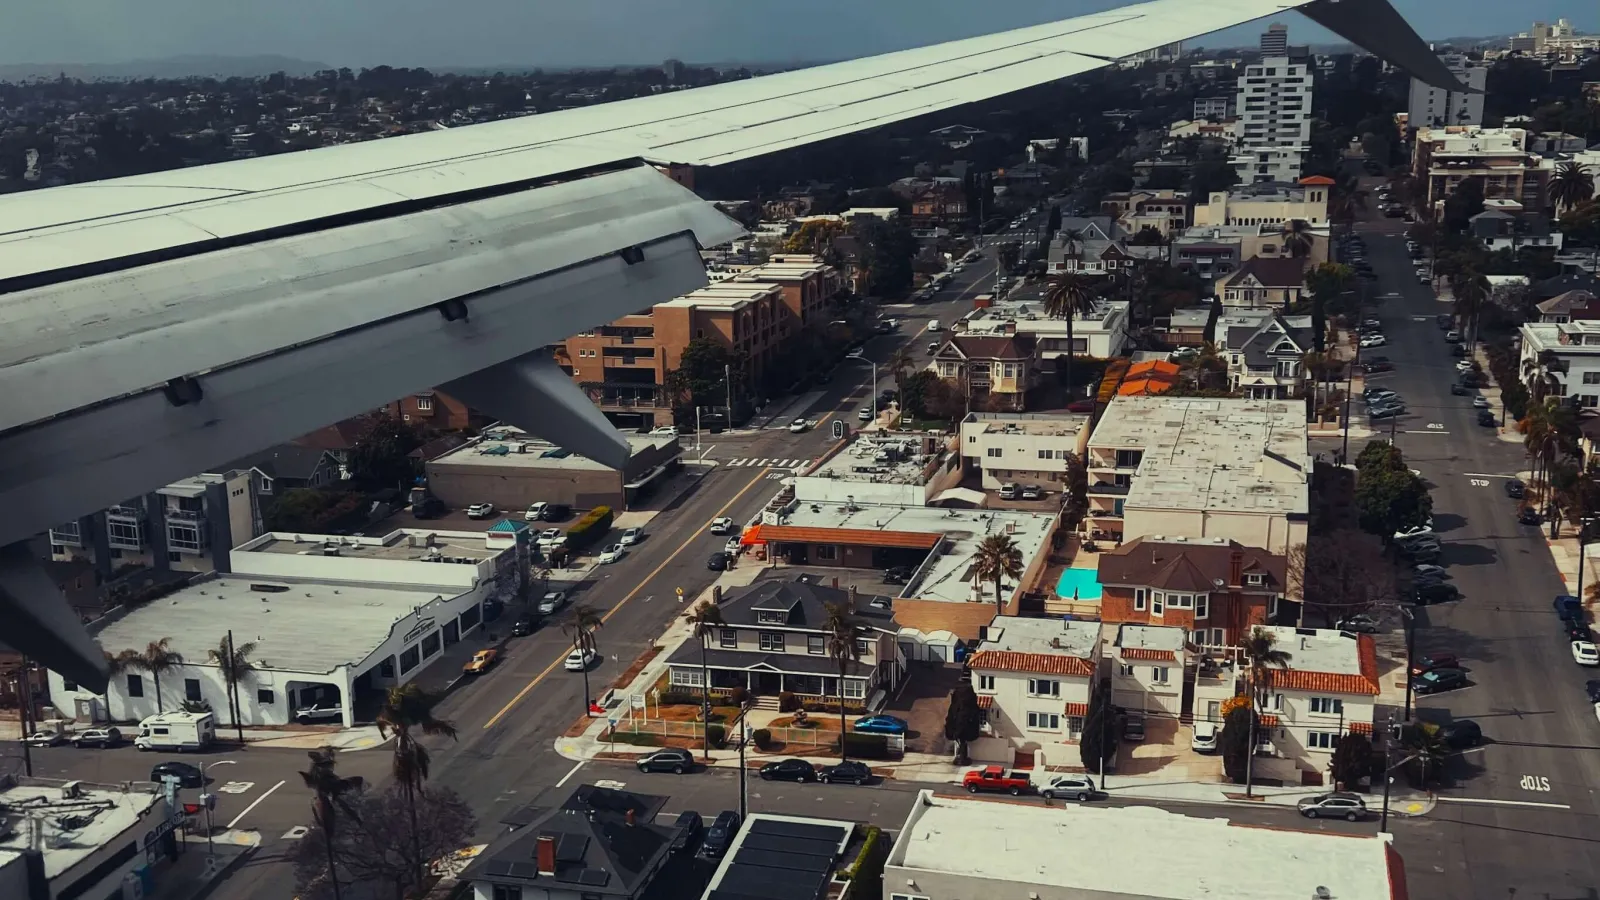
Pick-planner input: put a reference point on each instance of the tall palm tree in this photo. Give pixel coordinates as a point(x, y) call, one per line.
point(1425, 745)
point(1066, 297)
point(331, 797)
point(997, 558)
point(1570, 185)
point(234, 663)
point(158, 659)
point(839, 628)
point(580, 628)
point(1261, 656)
point(407, 713)
point(706, 619)
point(1297, 238)
point(1472, 291)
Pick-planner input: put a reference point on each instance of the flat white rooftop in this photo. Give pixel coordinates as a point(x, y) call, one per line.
point(101, 814)
point(1211, 454)
point(1040, 424)
point(297, 626)
point(1317, 650)
point(1059, 637)
point(1151, 637)
point(505, 447)
point(884, 458)
point(413, 544)
point(1087, 850)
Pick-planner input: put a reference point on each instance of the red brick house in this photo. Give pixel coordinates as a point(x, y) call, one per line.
point(1217, 591)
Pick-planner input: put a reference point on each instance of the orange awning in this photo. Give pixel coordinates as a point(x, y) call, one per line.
point(752, 536)
point(1269, 721)
point(1360, 727)
point(1078, 709)
point(859, 537)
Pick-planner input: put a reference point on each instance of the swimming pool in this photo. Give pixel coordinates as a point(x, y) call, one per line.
point(1085, 581)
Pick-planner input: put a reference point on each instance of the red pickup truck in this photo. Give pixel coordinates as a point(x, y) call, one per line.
point(997, 778)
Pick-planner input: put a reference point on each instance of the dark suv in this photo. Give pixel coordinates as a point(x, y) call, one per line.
point(670, 759)
point(719, 837)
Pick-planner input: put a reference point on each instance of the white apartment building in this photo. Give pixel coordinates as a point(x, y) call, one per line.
point(1328, 690)
point(186, 526)
point(1213, 108)
point(1274, 107)
point(1033, 678)
point(331, 617)
point(1268, 204)
point(1025, 448)
point(1429, 106)
point(1200, 468)
point(1444, 157)
point(1100, 333)
point(1147, 664)
point(1576, 367)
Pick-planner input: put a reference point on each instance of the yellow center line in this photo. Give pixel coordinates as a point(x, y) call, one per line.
point(760, 475)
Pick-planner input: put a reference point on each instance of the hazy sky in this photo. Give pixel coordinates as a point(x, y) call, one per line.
point(359, 33)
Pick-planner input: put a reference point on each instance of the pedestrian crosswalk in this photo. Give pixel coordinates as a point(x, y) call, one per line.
point(757, 462)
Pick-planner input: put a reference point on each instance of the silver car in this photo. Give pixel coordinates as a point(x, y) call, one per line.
point(1338, 805)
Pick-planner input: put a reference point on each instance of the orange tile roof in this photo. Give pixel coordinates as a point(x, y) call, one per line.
point(1140, 369)
point(1078, 709)
point(1037, 663)
point(1360, 727)
point(1268, 721)
point(1146, 653)
point(862, 537)
point(1317, 179)
point(1333, 682)
point(985, 701)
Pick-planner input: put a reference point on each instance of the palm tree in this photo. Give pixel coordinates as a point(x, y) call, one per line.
point(331, 796)
point(1066, 297)
point(997, 557)
point(706, 619)
point(580, 628)
point(1472, 291)
point(233, 660)
point(901, 363)
point(1571, 185)
point(1261, 656)
point(1297, 238)
point(1425, 745)
point(407, 713)
point(158, 659)
point(839, 629)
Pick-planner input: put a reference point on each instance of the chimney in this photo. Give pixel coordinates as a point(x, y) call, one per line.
point(1055, 643)
point(629, 817)
point(716, 593)
point(545, 852)
point(1236, 568)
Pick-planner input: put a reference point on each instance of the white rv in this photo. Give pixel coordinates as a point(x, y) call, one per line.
point(179, 731)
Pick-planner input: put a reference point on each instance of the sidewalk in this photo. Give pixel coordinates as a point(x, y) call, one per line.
point(188, 877)
point(361, 737)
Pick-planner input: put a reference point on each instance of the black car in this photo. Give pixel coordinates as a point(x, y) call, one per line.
point(1460, 390)
point(1437, 592)
point(1577, 631)
point(1515, 489)
point(1458, 350)
point(717, 562)
point(788, 770)
point(1592, 687)
point(1380, 366)
point(1436, 680)
point(1486, 418)
point(1529, 516)
point(1444, 320)
point(687, 829)
point(720, 835)
point(848, 772)
point(525, 625)
point(1133, 728)
point(897, 575)
point(670, 759)
point(1462, 733)
point(188, 776)
point(557, 512)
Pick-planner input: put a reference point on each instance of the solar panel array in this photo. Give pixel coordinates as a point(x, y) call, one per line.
point(780, 860)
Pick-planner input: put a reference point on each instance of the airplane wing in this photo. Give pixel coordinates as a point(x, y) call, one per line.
point(154, 326)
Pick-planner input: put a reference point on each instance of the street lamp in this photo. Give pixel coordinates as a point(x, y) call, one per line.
point(858, 357)
point(209, 800)
point(1411, 651)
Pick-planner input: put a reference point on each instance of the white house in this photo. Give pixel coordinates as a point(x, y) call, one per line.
point(1328, 690)
point(1147, 668)
point(1027, 448)
point(1033, 677)
point(328, 618)
point(1568, 355)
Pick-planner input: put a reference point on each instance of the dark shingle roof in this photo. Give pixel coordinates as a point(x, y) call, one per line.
point(807, 604)
point(985, 346)
point(597, 850)
point(1272, 272)
point(1196, 567)
point(283, 461)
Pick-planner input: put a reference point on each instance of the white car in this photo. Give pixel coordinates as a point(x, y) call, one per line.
point(46, 739)
point(480, 510)
point(631, 536)
point(733, 547)
point(549, 537)
point(798, 426)
point(1008, 491)
point(552, 602)
point(665, 431)
point(1411, 534)
point(722, 525)
point(1480, 402)
point(320, 711)
point(578, 660)
point(613, 553)
point(1584, 653)
point(1374, 340)
point(535, 512)
point(1205, 737)
point(1464, 365)
point(933, 325)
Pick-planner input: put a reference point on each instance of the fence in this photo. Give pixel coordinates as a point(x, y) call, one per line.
point(789, 736)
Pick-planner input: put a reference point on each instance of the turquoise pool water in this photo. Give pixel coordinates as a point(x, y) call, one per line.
point(1085, 581)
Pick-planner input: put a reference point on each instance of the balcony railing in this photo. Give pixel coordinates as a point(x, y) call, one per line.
point(125, 512)
point(68, 535)
point(188, 515)
point(1109, 489)
point(187, 535)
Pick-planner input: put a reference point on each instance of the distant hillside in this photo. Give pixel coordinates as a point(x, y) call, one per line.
point(170, 67)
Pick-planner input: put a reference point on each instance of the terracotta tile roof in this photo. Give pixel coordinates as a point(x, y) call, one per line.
point(1336, 682)
point(1037, 663)
point(1268, 721)
point(1317, 179)
point(1078, 709)
point(1148, 654)
point(1361, 728)
point(862, 537)
point(985, 701)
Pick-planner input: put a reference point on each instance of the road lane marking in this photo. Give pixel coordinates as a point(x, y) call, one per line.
point(264, 795)
point(574, 771)
point(759, 478)
point(1488, 802)
point(1485, 475)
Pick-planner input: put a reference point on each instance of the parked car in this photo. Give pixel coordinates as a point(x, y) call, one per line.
point(1568, 608)
point(1360, 623)
point(480, 510)
point(612, 554)
point(1204, 739)
point(188, 776)
point(1584, 653)
point(1386, 412)
point(1382, 366)
point(669, 759)
point(1133, 728)
point(847, 772)
point(1458, 350)
point(720, 835)
point(788, 770)
point(864, 414)
point(1008, 491)
point(1078, 787)
point(1459, 390)
point(1486, 418)
point(1436, 680)
point(535, 512)
point(548, 538)
point(1431, 570)
point(997, 778)
point(897, 575)
point(1375, 394)
point(1434, 661)
point(1451, 336)
point(1462, 733)
point(1414, 532)
point(1032, 492)
point(578, 660)
point(1437, 593)
point(318, 711)
point(1592, 688)
point(1337, 805)
point(1480, 402)
point(524, 626)
point(881, 724)
point(686, 831)
point(97, 737)
point(798, 426)
point(46, 739)
point(631, 536)
point(1081, 406)
point(1577, 631)
point(557, 512)
point(722, 525)
point(1515, 488)
point(1529, 516)
point(552, 601)
point(481, 662)
point(717, 562)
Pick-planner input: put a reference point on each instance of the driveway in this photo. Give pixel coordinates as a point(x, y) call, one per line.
point(922, 703)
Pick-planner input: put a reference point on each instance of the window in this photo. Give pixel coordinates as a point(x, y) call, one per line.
point(1045, 454)
point(1125, 670)
point(1158, 674)
point(409, 659)
point(686, 677)
point(827, 553)
point(728, 638)
point(891, 897)
point(126, 534)
point(1591, 378)
point(993, 452)
point(506, 892)
point(264, 697)
point(1156, 603)
point(1138, 598)
point(1074, 727)
point(191, 689)
point(424, 404)
point(1044, 721)
point(1181, 601)
point(68, 685)
point(863, 647)
point(1327, 706)
point(135, 686)
point(772, 617)
point(772, 641)
point(1043, 687)
point(430, 645)
point(854, 688)
point(816, 644)
point(266, 485)
point(1255, 578)
point(1202, 606)
point(985, 682)
point(1321, 740)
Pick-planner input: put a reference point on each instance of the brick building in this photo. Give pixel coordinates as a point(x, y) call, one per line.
point(1215, 590)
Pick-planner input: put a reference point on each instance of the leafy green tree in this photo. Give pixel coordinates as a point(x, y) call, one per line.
point(1147, 236)
point(840, 629)
point(406, 714)
point(381, 456)
point(1234, 743)
point(1075, 503)
point(916, 392)
point(1426, 752)
point(707, 622)
point(963, 720)
point(1571, 185)
point(334, 798)
point(701, 378)
point(1389, 500)
point(1582, 224)
point(1326, 282)
point(1463, 203)
point(1008, 254)
point(1209, 176)
point(297, 510)
point(1068, 296)
point(887, 250)
point(1099, 740)
point(1352, 757)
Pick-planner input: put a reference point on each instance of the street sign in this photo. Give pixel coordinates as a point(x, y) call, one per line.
point(680, 595)
point(838, 430)
point(636, 701)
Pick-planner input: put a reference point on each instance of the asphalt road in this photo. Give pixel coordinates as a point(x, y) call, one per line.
point(1519, 818)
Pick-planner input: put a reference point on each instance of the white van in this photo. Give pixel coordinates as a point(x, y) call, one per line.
point(176, 731)
point(933, 325)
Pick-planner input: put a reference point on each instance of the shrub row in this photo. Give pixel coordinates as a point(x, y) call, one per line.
point(590, 528)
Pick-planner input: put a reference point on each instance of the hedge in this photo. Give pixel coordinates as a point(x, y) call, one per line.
point(590, 528)
point(866, 872)
point(638, 740)
point(762, 738)
point(866, 746)
point(717, 735)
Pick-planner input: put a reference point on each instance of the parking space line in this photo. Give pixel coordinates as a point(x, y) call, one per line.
point(574, 771)
point(264, 795)
point(1489, 802)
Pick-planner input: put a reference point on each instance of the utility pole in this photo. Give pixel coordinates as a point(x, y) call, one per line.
point(1411, 652)
point(27, 715)
point(727, 377)
point(1388, 777)
point(744, 785)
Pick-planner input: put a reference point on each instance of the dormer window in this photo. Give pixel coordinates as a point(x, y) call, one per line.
point(772, 617)
point(1255, 579)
